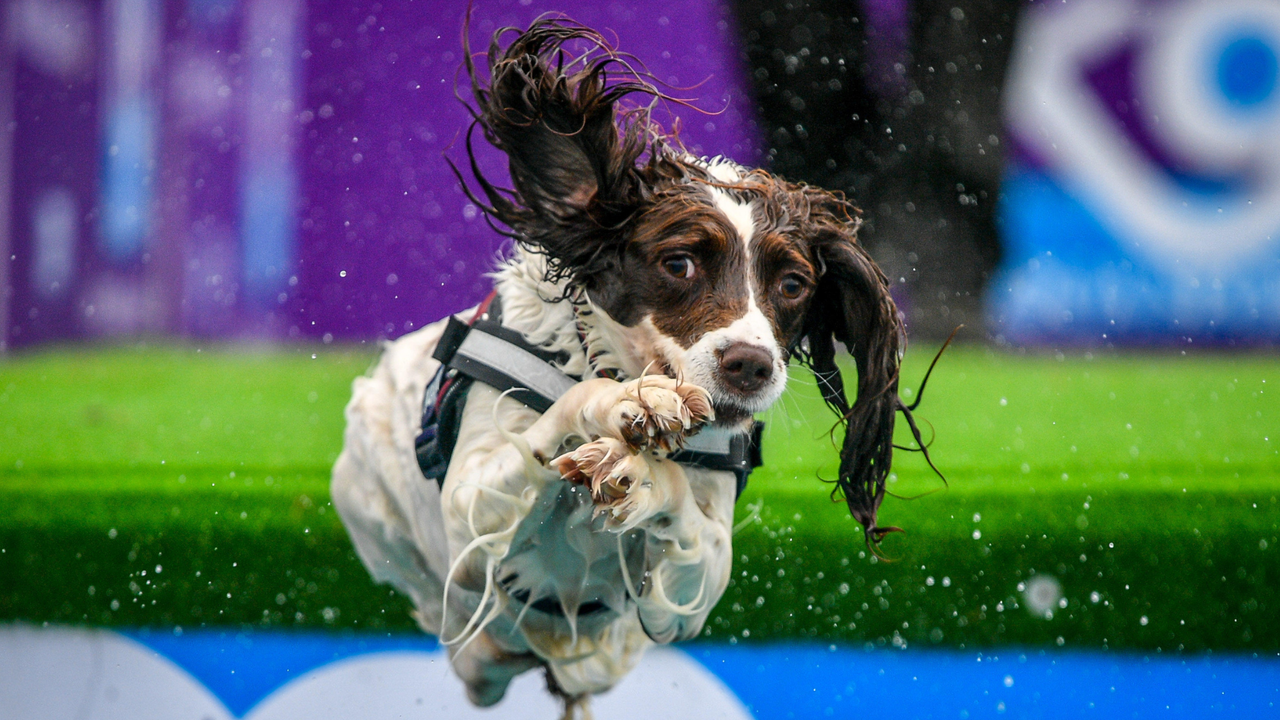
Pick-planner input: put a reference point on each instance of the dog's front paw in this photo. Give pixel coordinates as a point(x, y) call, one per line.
point(619, 479)
point(607, 467)
point(655, 411)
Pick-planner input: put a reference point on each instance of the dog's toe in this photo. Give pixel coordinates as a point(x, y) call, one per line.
point(607, 468)
point(697, 403)
point(605, 465)
point(585, 463)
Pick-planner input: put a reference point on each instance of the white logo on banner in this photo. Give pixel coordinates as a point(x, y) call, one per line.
point(1207, 77)
point(100, 675)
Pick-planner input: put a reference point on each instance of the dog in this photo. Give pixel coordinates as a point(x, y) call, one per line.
point(674, 290)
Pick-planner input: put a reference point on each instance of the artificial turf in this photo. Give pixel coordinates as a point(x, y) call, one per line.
point(180, 486)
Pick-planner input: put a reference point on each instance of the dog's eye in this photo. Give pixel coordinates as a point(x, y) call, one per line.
point(791, 287)
point(681, 266)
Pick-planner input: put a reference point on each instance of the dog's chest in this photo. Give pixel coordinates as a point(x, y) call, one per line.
point(561, 562)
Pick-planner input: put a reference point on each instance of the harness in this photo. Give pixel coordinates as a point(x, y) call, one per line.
point(485, 350)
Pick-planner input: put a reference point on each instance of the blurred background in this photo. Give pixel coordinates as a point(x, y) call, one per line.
point(1083, 173)
point(212, 210)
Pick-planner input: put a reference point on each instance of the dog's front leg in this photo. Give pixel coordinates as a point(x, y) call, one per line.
point(686, 513)
point(687, 517)
point(503, 450)
point(688, 551)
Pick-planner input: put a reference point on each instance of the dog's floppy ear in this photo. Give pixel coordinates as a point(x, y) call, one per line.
point(852, 305)
point(550, 107)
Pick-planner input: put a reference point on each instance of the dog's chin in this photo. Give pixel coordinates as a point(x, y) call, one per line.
point(732, 416)
point(736, 410)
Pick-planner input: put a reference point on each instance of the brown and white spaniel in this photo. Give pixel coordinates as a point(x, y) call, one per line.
point(679, 288)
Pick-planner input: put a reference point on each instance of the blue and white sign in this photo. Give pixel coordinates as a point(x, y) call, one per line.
point(1142, 199)
point(101, 675)
point(48, 673)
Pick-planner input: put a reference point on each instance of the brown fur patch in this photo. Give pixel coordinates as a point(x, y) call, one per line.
point(683, 220)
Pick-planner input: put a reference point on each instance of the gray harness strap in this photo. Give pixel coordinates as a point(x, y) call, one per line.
point(497, 356)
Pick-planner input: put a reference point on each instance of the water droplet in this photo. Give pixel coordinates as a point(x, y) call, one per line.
point(1042, 593)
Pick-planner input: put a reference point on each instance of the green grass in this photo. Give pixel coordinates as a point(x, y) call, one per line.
point(1146, 481)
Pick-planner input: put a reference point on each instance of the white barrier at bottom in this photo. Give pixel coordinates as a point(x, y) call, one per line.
point(90, 674)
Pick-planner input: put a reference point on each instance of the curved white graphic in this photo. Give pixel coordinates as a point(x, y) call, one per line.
point(1054, 111)
point(1197, 117)
point(100, 675)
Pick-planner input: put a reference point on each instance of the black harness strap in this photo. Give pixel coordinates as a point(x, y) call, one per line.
point(442, 402)
point(740, 457)
point(500, 357)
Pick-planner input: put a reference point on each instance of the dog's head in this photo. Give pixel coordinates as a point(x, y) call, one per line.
point(702, 269)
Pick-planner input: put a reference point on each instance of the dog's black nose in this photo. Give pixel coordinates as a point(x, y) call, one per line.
point(746, 367)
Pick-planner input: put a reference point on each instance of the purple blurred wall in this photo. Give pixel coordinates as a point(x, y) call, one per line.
point(274, 169)
point(51, 108)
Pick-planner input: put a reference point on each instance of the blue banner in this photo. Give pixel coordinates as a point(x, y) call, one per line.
point(274, 675)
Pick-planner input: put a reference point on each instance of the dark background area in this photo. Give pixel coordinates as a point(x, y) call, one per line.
point(914, 139)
